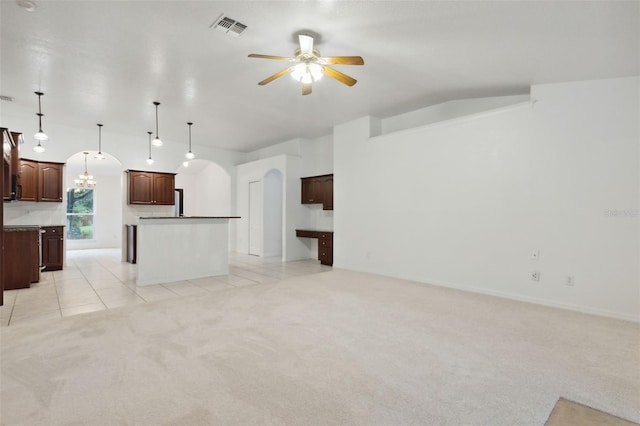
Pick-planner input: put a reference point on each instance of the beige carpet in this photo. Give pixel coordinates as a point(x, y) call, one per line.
point(567, 413)
point(332, 348)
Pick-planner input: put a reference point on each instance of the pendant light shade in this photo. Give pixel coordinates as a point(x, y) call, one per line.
point(100, 155)
point(40, 136)
point(149, 160)
point(190, 155)
point(157, 141)
point(39, 148)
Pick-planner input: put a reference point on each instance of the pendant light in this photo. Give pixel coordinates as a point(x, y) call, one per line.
point(39, 148)
point(149, 160)
point(190, 155)
point(40, 136)
point(85, 180)
point(157, 141)
point(100, 155)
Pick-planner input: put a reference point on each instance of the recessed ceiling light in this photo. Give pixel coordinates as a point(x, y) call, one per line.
point(28, 5)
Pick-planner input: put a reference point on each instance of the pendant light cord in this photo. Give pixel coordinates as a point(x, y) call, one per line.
point(156, 104)
point(99, 138)
point(39, 112)
point(189, 136)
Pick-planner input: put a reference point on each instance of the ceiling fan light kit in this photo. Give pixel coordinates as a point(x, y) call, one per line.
point(310, 66)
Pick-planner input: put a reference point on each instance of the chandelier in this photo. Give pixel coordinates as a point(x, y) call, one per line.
point(85, 180)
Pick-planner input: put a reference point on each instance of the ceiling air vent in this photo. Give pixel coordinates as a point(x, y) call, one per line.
point(6, 98)
point(228, 25)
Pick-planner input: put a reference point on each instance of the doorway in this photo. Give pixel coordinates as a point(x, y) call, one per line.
point(93, 216)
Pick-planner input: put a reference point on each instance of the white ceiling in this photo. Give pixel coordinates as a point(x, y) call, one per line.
point(107, 61)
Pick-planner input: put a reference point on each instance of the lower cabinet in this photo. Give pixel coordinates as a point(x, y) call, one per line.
point(21, 260)
point(52, 247)
point(325, 244)
point(325, 248)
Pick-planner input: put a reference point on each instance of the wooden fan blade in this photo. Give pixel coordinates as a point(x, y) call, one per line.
point(278, 58)
point(276, 75)
point(306, 88)
point(342, 60)
point(342, 78)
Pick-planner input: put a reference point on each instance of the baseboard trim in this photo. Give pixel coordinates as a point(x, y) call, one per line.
point(537, 301)
point(513, 296)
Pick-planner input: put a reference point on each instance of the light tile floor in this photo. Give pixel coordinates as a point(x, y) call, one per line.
point(94, 280)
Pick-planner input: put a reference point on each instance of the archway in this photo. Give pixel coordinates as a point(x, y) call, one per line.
point(93, 216)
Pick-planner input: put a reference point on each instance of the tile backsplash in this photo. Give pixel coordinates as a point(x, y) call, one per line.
point(28, 213)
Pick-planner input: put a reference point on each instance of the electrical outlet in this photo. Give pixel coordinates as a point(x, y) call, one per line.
point(535, 276)
point(535, 254)
point(570, 280)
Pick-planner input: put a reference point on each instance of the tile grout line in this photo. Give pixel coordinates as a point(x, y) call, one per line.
point(92, 288)
point(55, 286)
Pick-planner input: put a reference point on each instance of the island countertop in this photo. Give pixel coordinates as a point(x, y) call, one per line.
point(188, 217)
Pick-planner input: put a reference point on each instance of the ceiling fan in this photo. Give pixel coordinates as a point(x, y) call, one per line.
point(308, 66)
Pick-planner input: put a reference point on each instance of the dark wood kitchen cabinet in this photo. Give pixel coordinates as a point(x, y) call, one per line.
point(50, 182)
point(325, 248)
point(318, 190)
point(52, 248)
point(151, 188)
point(40, 181)
point(325, 244)
point(164, 189)
point(28, 181)
point(8, 163)
point(21, 258)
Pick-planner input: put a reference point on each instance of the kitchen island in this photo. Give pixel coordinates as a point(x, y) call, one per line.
point(181, 248)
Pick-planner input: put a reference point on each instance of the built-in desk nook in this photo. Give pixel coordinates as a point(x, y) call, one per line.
point(325, 243)
point(181, 248)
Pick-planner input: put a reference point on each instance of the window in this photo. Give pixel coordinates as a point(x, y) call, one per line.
point(80, 214)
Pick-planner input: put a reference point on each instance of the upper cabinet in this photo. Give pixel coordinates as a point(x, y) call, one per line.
point(50, 182)
point(318, 190)
point(40, 181)
point(151, 188)
point(8, 150)
point(28, 181)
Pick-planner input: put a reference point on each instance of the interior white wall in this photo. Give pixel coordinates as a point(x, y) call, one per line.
point(446, 111)
point(465, 204)
point(206, 192)
point(272, 193)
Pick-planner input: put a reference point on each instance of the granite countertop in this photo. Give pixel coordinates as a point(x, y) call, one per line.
point(17, 228)
point(10, 228)
point(189, 217)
